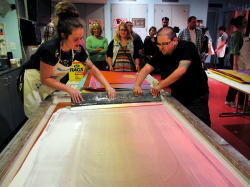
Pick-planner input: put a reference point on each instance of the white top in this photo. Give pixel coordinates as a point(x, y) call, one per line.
point(193, 36)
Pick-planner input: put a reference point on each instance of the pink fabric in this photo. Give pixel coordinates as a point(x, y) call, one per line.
point(121, 146)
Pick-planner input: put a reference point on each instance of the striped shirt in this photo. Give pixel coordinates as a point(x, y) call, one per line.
point(122, 62)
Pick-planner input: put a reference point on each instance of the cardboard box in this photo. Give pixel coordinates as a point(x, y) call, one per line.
point(77, 71)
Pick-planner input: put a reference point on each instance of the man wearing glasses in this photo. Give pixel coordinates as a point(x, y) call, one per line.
point(181, 69)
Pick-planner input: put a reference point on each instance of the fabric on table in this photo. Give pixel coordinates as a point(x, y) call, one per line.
point(126, 146)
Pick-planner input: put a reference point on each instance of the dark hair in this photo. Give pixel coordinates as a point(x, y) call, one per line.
point(222, 28)
point(129, 22)
point(176, 29)
point(152, 28)
point(165, 18)
point(62, 6)
point(169, 31)
point(237, 21)
point(204, 30)
point(69, 19)
point(190, 18)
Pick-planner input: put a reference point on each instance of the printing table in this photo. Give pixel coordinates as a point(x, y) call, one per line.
point(245, 88)
point(14, 155)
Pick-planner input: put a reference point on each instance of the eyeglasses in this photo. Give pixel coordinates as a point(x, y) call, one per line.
point(164, 44)
point(124, 30)
point(130, 25)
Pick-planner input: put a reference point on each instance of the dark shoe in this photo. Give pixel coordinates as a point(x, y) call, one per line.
point(232, 104)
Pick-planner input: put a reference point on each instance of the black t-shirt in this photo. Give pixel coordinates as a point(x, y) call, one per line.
point(193, 83)
point(205, 45)
point(150, 48)
point(49, 53)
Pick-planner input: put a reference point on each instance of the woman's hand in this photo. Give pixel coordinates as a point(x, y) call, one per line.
point(111, 68)
point(75, 95)
point(137, 67)
point(97, 50)
point(235, 68)
point(111, 92)
point(235, 65)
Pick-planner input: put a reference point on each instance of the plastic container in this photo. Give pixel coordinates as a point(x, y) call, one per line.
point(77, 71)
point(13, 63)
point(18, 62)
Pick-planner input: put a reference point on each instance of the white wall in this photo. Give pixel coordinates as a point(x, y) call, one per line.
point(11, 31)
point(198, 8)
point(227, 6)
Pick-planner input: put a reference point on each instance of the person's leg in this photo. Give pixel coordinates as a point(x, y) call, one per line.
point(221, 62)
point(199, 107)
point(231, 94)
point(101, 65)
point(241, 98)
point(232, 61)
point(241, 101)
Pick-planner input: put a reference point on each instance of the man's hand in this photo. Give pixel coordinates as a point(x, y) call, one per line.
point(137, 91)
point(155, 91)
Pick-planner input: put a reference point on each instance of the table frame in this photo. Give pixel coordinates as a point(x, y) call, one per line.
point(245, 88)
point(14, 149)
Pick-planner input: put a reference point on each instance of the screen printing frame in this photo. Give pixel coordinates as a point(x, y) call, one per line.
point(17, 150)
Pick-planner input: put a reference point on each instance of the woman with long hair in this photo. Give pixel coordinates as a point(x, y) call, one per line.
point(123, 54)
point(53, 60)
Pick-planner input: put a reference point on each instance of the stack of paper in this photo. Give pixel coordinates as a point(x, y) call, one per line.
point(242, 76)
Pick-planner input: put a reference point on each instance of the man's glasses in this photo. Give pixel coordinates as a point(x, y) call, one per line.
point(124, 30)
point(164, 44)
point(130, 25)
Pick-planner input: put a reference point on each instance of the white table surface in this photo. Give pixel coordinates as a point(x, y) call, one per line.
point(234, 84)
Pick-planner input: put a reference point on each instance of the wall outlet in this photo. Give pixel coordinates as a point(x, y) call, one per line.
point(12, 46)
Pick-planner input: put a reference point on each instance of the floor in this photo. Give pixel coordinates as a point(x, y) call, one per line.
point(235, 130)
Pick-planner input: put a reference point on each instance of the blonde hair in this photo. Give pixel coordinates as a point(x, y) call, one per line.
point(95, 24)
point(118, 37)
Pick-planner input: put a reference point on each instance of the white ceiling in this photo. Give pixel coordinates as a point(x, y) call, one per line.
point(85, 1)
